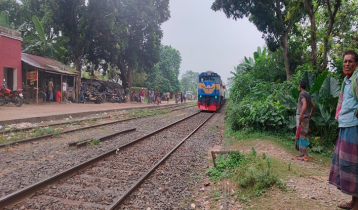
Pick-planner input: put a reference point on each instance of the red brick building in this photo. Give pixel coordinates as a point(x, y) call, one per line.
point(10, 58)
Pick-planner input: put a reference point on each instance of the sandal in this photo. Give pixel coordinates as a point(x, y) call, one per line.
point(344, 206)
point(302, 159)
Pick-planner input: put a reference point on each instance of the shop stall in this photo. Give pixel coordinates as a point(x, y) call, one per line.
point(37, 73)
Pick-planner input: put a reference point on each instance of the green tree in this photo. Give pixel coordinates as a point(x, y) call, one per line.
point(168, 68)
point(275, 19)
point(14, 12)
point(129, 36)
point(71, 16)
point(189, 81)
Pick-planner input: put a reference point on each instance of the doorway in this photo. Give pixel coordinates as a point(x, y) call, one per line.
point(10, 76)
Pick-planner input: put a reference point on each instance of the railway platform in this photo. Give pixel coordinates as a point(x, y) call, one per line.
point(10, 114)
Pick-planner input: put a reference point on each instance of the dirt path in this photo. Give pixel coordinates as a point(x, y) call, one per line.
point(307, 184)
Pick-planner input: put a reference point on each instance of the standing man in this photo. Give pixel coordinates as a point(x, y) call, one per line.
point(127, 93)
point(184, 96)
point(149, 96)
point(142, 94)
point(305, 110)
point(343, 173)
point(181, 97)
point(158, 97)
point(50, 89)
point(64, 91)
point(168, 96)
point(82, 97)
point(153, 95)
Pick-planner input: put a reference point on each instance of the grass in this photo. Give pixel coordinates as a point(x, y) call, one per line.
point(284, 140)
point(213, 129)
point(93, 142)
point(252, 173)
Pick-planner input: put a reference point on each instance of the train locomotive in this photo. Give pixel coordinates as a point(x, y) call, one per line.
point(211, 91)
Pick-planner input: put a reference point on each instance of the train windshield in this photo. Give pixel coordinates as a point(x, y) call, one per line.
point(216, 80)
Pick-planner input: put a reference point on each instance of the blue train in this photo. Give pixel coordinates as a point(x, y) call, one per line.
point(211, 91)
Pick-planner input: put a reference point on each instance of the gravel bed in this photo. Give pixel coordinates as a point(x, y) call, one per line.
point(105, 181)
point(171, 185)
point(30, 163)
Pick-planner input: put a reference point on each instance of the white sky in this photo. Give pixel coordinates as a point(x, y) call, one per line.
point(207, 40)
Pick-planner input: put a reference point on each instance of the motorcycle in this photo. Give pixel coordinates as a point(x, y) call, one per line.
point(13, 96)
point(93, 97)
point(109, 96)
point(121, 98)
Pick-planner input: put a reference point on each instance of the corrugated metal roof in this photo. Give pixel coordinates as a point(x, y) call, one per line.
point(47, 64)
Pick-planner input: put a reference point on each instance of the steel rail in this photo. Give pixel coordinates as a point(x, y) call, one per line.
point(74, 130)
point(20, 195)
point(117, 203)
point(101, 139)
point(76, 121)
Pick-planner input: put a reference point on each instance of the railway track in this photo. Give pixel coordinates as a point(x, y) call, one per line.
point(28, 140)
point(46, 124)
point(104, 181)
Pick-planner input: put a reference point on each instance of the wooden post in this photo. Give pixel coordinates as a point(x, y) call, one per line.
point(37, 88)
point(74, 86)
point(27, 93)
point(61, 89)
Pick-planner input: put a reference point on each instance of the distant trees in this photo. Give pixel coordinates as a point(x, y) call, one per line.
point(120, 37)
point(189, 81)
point(165, 73)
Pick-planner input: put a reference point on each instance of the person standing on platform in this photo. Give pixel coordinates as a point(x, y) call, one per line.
point(181, 97)
point(168, 96)
point(64, 91)
point(153, 95)
point(142, 94)
point(82, 97)
point(50, 89)
point(127, 93)
point(149, 96)
point(158, 97)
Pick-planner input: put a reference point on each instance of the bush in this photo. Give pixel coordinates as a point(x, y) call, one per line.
point(250, 172)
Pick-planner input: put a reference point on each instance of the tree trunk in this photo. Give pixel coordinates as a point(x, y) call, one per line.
point(308, 5)
point(332, 16)
point(285, 56)
point(78, 80)
point(284, 45)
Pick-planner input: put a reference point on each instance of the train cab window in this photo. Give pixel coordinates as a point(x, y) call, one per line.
point(202, 79)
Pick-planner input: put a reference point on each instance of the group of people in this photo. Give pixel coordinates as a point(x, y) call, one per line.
point(343, 173)
point(155, 96)
point(48, 90)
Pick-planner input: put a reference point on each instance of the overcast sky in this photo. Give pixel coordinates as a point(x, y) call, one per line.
point(207, 40)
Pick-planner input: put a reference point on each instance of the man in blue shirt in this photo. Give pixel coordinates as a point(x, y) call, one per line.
point(344, 167)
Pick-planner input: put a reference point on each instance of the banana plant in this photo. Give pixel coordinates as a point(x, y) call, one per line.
point(4, 19)
point(325, 92)
point(43, 45)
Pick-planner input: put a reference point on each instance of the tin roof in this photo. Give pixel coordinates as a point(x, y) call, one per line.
point(47, 64)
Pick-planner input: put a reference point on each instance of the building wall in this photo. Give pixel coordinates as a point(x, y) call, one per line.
point(10, 55)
